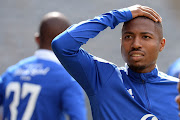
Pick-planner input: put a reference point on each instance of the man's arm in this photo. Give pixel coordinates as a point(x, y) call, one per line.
point(73, 102)
point(80, 64)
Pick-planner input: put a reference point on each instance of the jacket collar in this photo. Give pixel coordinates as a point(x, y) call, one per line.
point(142, 77)
point(46, 55)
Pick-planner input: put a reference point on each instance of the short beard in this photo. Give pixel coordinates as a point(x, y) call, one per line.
point(137, 68)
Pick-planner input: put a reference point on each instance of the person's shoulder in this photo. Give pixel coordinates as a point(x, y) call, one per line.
point(56, 69)
point(20, 63)
point(175, 66)
point(105, 67)
point(177, 61)
point(11, 69)
point(50, 63)
point(167, 78)
point(103, 61)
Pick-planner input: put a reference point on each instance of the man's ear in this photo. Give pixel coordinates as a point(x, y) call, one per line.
point(162, 44)
point(37, 38)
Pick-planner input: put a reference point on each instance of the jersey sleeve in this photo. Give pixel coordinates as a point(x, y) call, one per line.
point(80, 64)
point(74, 102)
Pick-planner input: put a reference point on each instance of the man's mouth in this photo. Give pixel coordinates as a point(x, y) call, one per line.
point(136, 55)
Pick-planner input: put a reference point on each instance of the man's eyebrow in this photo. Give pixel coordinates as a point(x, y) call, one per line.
point(141, 33)
point(146, 33)
point(128, 33)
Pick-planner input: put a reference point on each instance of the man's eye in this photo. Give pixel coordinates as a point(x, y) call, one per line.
point(146, 37)
point(128, 37)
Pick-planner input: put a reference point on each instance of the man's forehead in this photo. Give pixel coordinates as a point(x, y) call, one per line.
point(143, 18)
point(140, 23)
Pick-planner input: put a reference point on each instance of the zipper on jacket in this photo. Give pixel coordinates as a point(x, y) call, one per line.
point(146, 95)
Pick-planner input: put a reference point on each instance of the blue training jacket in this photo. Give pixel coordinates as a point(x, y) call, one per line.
point(39, 88)
point(115, 93)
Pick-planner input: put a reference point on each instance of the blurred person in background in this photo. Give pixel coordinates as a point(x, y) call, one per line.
point(174, 69)
point(138, 91)
point(38, 87)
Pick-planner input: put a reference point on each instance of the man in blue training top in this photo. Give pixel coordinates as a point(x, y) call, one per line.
point(38, 87)
point(137, 91)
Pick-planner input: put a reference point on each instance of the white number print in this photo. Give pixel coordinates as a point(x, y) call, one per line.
point(21, 93)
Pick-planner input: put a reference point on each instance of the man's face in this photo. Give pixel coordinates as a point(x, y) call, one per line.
point(141, 44)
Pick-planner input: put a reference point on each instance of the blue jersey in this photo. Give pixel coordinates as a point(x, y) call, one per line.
point(39, 88)
point(174, 69)
point(115, 93)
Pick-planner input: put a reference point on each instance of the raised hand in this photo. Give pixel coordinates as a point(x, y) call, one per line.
point(138, 10)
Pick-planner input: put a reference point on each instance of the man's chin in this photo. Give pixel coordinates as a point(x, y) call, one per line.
point(137, 67)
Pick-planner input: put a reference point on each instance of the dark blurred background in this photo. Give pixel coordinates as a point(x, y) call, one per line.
point(20, 20)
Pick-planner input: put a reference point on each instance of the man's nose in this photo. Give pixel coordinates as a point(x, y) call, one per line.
point(136, 43)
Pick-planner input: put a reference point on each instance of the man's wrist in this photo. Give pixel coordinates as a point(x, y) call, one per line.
point(127, 12)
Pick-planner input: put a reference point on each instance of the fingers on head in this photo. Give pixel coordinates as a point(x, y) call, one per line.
point(149, 12)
